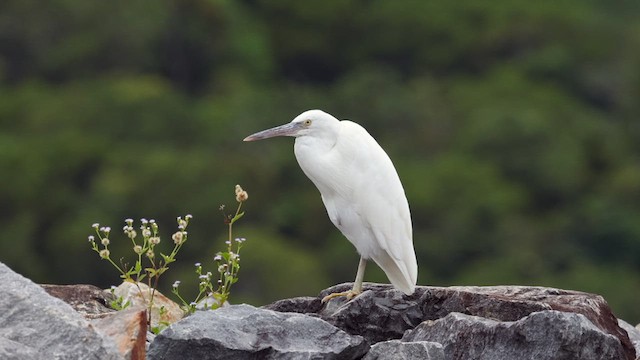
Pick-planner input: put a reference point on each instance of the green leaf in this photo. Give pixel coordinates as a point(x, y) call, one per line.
point(237, 217)
point(151, 271)
point(167, 259)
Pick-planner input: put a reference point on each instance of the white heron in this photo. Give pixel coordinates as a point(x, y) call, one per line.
point(361, 191)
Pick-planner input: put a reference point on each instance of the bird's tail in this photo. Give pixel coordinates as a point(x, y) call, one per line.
point(403, 276)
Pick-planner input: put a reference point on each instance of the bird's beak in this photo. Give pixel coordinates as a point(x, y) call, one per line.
point(290, 129)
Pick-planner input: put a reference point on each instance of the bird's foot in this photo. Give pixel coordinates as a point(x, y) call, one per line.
point(348, 294)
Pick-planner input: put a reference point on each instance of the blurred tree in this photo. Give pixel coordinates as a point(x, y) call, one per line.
point(513, 126)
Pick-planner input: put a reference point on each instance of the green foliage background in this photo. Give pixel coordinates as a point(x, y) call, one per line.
point(513, 125)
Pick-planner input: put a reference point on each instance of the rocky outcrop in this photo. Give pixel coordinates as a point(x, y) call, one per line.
point(487, 323)
point(544, 335)
point(34, 325)
point(381, 313)
point(246, 332)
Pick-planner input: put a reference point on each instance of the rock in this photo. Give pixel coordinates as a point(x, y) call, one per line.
point(301, 305)
point(397, 350)
point(243, 331)
point(139, 295)
point(88, 300)
point(545, 335)
point(128, 329)
point(633, 332)
point(38, 325)
point(381, 313)
point(13, 350)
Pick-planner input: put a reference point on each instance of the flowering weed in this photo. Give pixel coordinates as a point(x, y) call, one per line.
point(214, 292)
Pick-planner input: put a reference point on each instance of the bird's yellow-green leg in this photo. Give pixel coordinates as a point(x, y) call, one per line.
point(357, 284)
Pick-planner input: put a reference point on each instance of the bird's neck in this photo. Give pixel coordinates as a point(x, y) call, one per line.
point(316, 145)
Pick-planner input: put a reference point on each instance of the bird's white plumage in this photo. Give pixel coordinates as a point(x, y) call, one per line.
point(360, 189)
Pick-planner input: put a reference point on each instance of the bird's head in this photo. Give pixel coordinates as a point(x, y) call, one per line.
point(311, 122)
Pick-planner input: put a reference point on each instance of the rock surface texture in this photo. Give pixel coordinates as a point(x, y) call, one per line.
point(35, 325)
point(90, 301)
point(454, 323)
point(398, 350)
point(246, 332)
point(544, 335)
point(380, 313)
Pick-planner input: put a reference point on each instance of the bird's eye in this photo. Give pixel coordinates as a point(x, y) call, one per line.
point(307, 122)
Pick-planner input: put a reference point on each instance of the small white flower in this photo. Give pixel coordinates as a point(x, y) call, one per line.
point(132, 234)
point(189, 217)
point(104, 253)
point(144, 221)
point(203, 277)
point(105, 241)
point(150, 254)
point(137, 249)
point(241, 197)
point(91, 238)
point(198, 264)
point(176, 284)
point(217, 258)
point(155, 240)
point(146, 233)
point(178, 237)
point(95, 226)
point(182, 223)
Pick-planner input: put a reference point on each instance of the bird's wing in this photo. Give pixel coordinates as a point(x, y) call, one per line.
point(378, 199)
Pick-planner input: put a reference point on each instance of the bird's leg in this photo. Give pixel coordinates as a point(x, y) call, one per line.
point(357, 284)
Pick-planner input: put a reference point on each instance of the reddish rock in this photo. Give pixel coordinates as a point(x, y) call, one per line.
point(128, 329)
point(88, 300)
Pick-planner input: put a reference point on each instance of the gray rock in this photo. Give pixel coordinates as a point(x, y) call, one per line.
point(301, 305)
point(545, 335)
point(13, 350)
point(382, 313)
point(398, 350)
point(46, 325)
point(243, 331)
point(634, 334)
